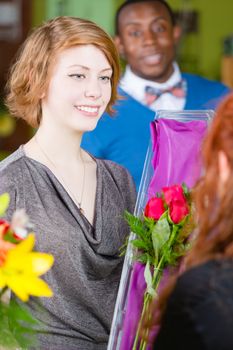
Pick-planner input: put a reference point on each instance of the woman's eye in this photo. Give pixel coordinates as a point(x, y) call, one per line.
point(77, 76)
point(105, 79)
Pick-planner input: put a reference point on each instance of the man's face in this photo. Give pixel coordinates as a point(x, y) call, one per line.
point(147, 40)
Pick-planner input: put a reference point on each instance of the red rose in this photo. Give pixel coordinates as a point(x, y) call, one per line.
point(177, 203)
point(154, 208)
point(178, 210)
point(173, 193)
point(4, 227)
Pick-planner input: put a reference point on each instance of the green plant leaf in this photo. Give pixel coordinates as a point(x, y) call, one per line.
point(16, 326)
point(185, 188)
point(137, 243)
point(143, 258)
point(123, 248)
point(7, 339)
point(135, 223)
point(160, 235)
point(4, 203)
point(22, 324)
point(9, 237)
point(148, 279)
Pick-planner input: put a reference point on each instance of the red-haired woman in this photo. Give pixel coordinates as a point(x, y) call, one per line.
point(65, 77)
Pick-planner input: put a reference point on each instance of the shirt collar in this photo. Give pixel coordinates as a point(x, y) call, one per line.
point(130, 80)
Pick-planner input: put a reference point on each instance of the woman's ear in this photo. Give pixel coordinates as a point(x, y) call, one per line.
point(224, 169)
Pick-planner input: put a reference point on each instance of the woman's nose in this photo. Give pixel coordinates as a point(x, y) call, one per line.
point(93, 90)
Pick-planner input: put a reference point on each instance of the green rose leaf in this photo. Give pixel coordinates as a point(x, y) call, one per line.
point(148, 278)
point(160, 235)
point(4, 203)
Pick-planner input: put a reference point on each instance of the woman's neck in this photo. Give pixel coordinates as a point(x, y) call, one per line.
point(63, 148)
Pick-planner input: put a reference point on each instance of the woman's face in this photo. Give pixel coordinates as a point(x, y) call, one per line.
point(79, 90)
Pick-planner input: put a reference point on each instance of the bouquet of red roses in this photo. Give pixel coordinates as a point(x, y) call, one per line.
point(161, 239)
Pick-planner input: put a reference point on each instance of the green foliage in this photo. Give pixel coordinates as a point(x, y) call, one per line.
point(157, 239)
point(160, 235)
point(149, 279)
point(187, 192)
point(9, 237)
point(14, 326)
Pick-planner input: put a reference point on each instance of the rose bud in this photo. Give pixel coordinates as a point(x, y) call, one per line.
point(154, 208)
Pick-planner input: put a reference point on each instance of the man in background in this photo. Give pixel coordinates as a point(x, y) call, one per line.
point(146, 37)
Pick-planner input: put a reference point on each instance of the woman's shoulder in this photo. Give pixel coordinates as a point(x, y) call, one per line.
point(203, 300)
point(193, 284)
point(113, 166)
point(12, 161)
point(199, 312)
point(11, 179)
point(119, 172)
point(11, 167)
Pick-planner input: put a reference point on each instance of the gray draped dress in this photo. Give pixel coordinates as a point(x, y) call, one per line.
point(86, 273)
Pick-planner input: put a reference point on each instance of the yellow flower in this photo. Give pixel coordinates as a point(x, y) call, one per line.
point(22, 267)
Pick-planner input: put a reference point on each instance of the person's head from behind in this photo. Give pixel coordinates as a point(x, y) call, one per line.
point(214, 194)
point(66, 65)
point(146, 37)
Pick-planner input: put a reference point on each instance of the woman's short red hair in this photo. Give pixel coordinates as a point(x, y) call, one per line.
point(30, 75)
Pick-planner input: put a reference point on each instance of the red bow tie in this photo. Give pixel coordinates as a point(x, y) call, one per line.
point(152, 94)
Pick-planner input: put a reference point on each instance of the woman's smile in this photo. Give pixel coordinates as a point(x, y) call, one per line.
point(89, 110)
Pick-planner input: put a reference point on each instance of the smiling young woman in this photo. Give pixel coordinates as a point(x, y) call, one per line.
point(64, 78)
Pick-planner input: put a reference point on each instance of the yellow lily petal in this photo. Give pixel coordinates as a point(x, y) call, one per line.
point(40, 262)
point(30, 263)
point(26, 245)
point(15, 261)
point(37, 287)
point(16, 285)
point(2, 279)
point(22, 267)
point(26, 285)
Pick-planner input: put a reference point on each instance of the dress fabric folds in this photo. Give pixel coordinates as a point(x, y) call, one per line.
point(87, 267)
